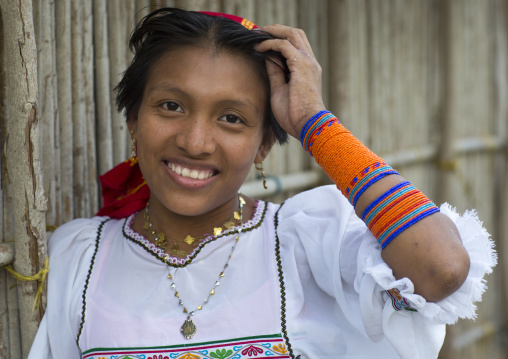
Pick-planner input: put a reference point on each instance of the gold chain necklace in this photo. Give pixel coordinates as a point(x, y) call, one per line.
point(160, 238)
point(188, 328)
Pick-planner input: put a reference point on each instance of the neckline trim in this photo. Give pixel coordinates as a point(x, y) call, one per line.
point(257, 219)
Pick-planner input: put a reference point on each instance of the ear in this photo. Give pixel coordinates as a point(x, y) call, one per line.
point(264, 148)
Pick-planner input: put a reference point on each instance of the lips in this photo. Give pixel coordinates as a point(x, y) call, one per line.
point(192, 173)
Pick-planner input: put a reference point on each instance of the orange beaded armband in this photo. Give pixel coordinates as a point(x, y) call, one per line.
point(347, 161)
point(354, 168)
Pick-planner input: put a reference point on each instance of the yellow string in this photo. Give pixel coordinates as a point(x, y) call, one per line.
point(40, 276)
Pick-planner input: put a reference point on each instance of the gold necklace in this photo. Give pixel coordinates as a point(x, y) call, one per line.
point(160, 238)
point(188, 328)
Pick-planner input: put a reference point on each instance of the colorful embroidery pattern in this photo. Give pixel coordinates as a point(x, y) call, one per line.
point(265, 346)
point(398, 302)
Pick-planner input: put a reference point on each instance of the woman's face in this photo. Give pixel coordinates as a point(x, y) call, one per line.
point(199, 129)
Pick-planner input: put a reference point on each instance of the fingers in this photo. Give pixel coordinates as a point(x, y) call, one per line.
point(276, 75)
point(296, 37)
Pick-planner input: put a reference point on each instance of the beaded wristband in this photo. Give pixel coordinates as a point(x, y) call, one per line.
point(397, 209)
point(351, 165)
point(354, 168)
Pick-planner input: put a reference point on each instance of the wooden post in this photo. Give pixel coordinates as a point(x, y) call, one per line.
point(64, 84)
point(103, 90)
point(48, 106)
point(23, 167)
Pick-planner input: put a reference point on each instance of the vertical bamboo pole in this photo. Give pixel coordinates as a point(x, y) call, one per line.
point(78, 111)
point(445, 151)
point(65, 105)
point(90, 174)
point(4, 318)
point(23, 156)
point(48, 107)
point(102, 88)
point(338, 47)
point(117, 43)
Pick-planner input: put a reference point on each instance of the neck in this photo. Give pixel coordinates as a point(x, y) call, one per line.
point(178, 226)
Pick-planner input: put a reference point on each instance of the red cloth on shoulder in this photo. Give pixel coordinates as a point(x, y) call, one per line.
point(124, 190)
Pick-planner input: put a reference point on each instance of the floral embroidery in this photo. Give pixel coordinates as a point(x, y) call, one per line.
point(263, 346)
point(221, 354)
point(189, 356)
point(280, 348)
point(252, 350)
point(398, 302)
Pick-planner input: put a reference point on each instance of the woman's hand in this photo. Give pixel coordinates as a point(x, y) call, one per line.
point(295, 102)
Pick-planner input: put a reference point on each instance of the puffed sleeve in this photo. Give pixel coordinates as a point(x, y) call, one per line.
point(70, 250)
point(345, 261)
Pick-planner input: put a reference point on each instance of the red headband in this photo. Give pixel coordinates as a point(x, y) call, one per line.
point(124, 190)
point(248, 24)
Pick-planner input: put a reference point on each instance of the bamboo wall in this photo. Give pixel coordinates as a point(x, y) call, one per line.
point(423, 83)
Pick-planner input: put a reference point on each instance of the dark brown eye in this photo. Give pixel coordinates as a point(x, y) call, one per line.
point(230, 119)
point(172, 106)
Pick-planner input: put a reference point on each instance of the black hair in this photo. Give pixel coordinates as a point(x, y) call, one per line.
point(166, 29)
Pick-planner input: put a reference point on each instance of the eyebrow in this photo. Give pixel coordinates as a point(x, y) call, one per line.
point(246, 104)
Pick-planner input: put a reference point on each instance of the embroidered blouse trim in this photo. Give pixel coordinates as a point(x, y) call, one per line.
point(263, 346)
point(256, 220)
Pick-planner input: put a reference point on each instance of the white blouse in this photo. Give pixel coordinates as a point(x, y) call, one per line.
point(306, 280)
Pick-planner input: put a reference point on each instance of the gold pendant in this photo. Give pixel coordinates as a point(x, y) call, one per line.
point(217, 231)
point(145, 226)
point(188, 328)
point(189, 239)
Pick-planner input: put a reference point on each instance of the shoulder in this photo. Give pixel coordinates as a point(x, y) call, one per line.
point(72, 246)
point(76, 234)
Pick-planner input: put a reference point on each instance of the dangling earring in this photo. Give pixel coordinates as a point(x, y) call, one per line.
point(133, 145)
point(259, 167)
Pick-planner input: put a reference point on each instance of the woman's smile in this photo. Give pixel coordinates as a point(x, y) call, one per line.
point(189, 172)
point(190, 177)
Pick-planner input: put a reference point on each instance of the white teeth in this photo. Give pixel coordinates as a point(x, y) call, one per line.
point(194, 174)
point(176, 169)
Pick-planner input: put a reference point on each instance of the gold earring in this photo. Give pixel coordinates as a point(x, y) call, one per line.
point(133, 146)
point(259, 167)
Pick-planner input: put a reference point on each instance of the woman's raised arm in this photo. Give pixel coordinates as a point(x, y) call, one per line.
point(418, 241)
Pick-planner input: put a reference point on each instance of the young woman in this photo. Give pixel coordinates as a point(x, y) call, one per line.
point(178, 264)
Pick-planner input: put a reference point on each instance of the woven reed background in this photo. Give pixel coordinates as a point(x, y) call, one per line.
point(423, 83)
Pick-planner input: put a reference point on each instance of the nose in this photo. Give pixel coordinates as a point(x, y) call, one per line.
point(196, 137)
